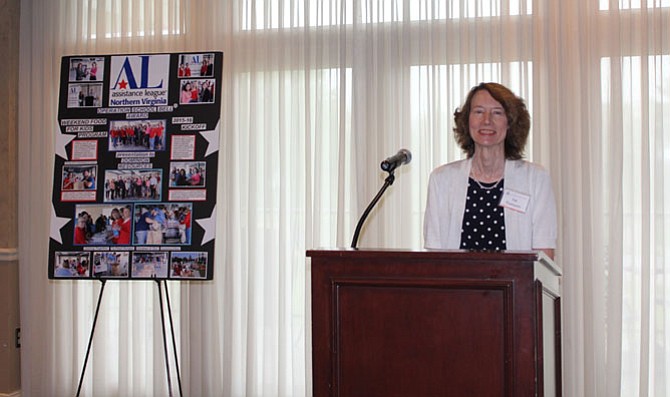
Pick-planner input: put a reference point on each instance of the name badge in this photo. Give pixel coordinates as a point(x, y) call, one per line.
point(514, 200)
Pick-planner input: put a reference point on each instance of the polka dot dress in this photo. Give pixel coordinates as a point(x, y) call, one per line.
point(483, 226)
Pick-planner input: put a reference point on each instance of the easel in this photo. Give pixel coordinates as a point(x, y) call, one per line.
point(165, 348)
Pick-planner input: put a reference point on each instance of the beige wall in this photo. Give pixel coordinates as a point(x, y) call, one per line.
point(10, 377)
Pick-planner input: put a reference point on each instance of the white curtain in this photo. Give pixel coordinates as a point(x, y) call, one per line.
point(315, 94)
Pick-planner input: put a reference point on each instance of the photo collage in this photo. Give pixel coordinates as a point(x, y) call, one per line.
point(135, 181)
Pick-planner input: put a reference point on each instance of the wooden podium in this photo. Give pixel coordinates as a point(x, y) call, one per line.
point(435, 323)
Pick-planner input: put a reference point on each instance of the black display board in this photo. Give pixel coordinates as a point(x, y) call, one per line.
point(135, 170)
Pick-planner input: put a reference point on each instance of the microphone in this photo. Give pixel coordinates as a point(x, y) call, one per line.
point(403, 156)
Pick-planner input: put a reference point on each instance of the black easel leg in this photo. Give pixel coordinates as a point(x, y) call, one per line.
point(165, 349)
point(90, 339)
point(174, 344)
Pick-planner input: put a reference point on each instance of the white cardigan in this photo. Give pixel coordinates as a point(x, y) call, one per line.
point(447, 190)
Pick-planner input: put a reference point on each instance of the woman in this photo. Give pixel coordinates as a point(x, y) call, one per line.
point(181, 179)
point(94, 71)
point(186, 93)
point(80, 72)
point(196, 178)
point(207, 92)
point(203, 68)
point(195, 92)
point(493, 200)
point(68, 182)
point(117, 221)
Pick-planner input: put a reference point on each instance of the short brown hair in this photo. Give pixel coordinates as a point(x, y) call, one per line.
point(518, 121)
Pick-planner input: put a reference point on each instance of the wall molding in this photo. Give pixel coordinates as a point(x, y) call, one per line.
point(9, 255)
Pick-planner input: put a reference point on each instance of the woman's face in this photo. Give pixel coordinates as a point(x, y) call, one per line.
point(488, 121)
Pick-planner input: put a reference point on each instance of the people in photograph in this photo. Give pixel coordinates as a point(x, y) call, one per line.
point(101, 223)
point(137, 135)
point(114, 136)
point(118, 187)
point(185, 221)
point(203, 68)
point(210, 69)
point(492, 200)
point(64, 270)
point(117, 267)
point(142, 226)
point(160, 129)
point(109, 189)
point(207, 95)
point(80, 71)
point(82, 267)
point(176, 269)
point(124, 227)
point(138, 184)
point(88, 180)
point(196, 177)
point(153, 186)
point(116, 221)
point(156, 136)
point(185, 93)
point(80, 232)
point(130, 136)
point(157, 223)
point(187, 70)
point(68, 182)
point(93, 73)
point(132, 187)
point(81, 98)
point(90, 226)
point(181, 179)
point(152, 137)
point(194, 93)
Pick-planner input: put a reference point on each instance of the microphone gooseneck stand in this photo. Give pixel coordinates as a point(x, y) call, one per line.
point(388, 182)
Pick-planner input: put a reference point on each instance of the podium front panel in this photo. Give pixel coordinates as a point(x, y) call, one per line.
point(389, 323)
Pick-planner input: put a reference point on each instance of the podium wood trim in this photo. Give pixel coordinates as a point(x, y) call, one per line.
point(432, 323)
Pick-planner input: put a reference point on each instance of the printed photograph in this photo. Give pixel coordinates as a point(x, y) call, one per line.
point(79, 177)
point(196, 91)
point(196, 65)
point(133, 185)
point(102, 224)
point(72, 264)
point(86, 68)
point(136, 135)
point(110, 264)
point(188, 265)
point(84, 95)
point(163, 223)
point(150, 265)
point(187, 173)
